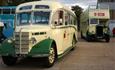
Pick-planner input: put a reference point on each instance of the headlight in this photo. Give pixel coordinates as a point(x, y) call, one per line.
point(92, 32)
point(33, 40)
point(105, 30)
point(9, 41)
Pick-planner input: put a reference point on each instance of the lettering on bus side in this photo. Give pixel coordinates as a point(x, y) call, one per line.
point(99, 14)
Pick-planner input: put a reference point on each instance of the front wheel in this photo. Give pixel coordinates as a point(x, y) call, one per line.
point(81, 35)
point(107, 38)
point(50, 60)
point(9, 60)
point(74, 43)
point(88, 38)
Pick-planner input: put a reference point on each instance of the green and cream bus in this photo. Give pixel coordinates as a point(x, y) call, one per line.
point(42, 29)
point(94, 24)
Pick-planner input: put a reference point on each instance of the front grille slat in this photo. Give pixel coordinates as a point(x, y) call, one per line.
point(22, 42)
point(23, 38)
point(99, 30)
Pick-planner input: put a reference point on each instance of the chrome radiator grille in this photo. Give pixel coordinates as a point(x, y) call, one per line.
point(99, 30)
point(22, 42)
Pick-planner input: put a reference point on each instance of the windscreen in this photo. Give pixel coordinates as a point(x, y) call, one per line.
point(24, 18)
point(41, 17)
point(93, 21)
point(37, 17)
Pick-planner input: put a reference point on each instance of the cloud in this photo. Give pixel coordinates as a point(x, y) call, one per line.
point(82, 3)
point(77, 1)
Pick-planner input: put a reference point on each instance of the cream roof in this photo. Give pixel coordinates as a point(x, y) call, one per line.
point(52, 4)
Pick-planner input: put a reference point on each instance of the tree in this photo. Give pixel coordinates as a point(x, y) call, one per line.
point(13, 2)
point(17, 2)
point(3, 2)
point(78, 10)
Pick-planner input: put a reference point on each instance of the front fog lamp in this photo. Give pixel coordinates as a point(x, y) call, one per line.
point(33, 40)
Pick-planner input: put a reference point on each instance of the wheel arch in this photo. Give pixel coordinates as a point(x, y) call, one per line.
point(53, 42)
point(75, 36)
point(43, 47)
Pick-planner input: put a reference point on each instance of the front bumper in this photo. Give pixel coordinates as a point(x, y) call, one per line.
point(95, 36)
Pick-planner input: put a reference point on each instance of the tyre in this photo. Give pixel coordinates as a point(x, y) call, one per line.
point(9, 60)
point(74, 43)
point(50, 60)
point(88, 38)
point(107, 38)
point(82, 35)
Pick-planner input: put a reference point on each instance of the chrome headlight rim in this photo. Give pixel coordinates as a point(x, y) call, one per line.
point(33, 40)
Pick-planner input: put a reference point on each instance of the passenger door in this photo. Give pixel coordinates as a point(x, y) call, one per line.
point(73, 28)
point(59, 28)
point(64, 30)
point(67, 32)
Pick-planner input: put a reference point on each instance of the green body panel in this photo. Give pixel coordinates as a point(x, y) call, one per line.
point(7, 48)
point(42, 47)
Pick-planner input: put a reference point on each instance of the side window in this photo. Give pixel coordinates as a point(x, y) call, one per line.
point(58, 18)
point(67, 18)
point(13, 11)
point(72, 20)
point(55, 19)
point(6, 11)
point(0, 11)
point(61, 13)
point(75, 21)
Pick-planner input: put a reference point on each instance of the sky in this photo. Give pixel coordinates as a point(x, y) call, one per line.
point(82, 3)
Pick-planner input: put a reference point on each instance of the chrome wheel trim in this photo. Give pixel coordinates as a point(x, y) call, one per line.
point(51, 55)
